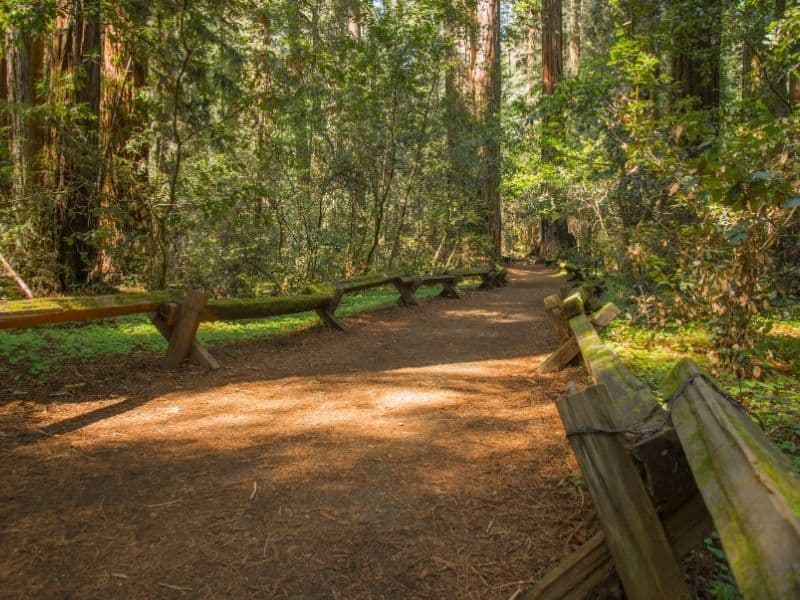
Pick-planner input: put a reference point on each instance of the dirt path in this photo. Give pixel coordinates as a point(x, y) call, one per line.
point(414, 456)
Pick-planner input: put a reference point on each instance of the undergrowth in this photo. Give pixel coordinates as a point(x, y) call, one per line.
point(771, 396)
point(41, 354)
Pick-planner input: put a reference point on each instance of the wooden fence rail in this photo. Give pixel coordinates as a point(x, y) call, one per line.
point(178, 316)
point(703, 464)
point(748, 485)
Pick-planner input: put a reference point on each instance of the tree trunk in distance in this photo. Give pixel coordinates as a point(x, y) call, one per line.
point(552, 45)
point(75, 81)
point(487, 100)
point(553, 233)
point(23, 62)
point(575, 37)
point(696, 59)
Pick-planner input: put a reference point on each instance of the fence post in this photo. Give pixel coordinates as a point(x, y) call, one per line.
point(635, 536)
point(186, 325)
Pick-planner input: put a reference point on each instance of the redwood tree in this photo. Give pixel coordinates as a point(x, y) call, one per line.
point(74, 141)
point(487, 99)
point(553, 234)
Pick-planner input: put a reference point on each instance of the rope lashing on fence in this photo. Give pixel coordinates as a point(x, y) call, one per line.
point(635, 429)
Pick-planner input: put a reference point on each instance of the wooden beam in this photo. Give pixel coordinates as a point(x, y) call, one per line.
point(591, 567)
point(18, 281)
point(329, 320)
point(569, 350)
point(573, 304)
point(185, 330)
point(48, 311)
point(487, 281)
point(259, 308)
point(749, 486)
point(665, 469)
point(449, 288)
point(471, 272)
point(631, 402)
point(500, 278)
point(559, 359)
point(356, 284)
point(634, 406)
point(553, 306)
point(635, 537)
point(198, 354)
point(406, 287)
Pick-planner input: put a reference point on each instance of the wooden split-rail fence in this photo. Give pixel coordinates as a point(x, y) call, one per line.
point(663, 476)
point(177, 316)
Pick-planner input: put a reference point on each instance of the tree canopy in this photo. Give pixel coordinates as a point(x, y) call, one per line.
point(251, 147)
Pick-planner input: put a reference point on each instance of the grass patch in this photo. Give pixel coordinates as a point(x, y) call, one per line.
point(774, 398)
point(44, 352)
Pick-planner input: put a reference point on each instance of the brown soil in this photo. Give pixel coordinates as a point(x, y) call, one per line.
point(414, 456)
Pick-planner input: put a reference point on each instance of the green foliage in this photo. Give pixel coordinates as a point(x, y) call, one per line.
point(692, 206)
point(253, 147)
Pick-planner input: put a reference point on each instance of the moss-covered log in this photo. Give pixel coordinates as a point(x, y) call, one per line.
point(473, 272)
point(634, 406)
point(749, 486)
point(357, 284)
point(631, 402)
point(574, 304)
point(49, 311)
point(569, 349)
point(259, 308)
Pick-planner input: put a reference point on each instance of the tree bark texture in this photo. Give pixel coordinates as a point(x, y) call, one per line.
point(552, 45)
point(575, 37)
point(75, 81)
point(487, 98)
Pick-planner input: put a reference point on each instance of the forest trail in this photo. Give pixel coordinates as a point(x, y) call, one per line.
point(416, 455)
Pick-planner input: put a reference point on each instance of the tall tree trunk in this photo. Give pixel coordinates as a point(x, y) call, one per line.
point(554, 235)
point(574, 59)
point(487, 100)
point(75, 81)
point(23, 63)
point(461, 29)
point(552, 45)
point(121, 76)
point(696, 57)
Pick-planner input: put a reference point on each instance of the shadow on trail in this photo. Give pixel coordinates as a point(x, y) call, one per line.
point(297, 513)
point(412, 456)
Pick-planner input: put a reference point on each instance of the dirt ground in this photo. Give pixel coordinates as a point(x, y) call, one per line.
point(416, 455)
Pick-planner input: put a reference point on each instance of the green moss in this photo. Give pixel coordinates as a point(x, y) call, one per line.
point(84, 302)
point(254, 308)
point(774, 398)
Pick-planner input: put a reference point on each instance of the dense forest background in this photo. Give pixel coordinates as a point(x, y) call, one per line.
point(252, 147)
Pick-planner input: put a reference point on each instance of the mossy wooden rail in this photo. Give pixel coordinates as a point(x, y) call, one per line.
point(748, 485)
point(22, 314)
point(177, 315)
point(748, 490)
